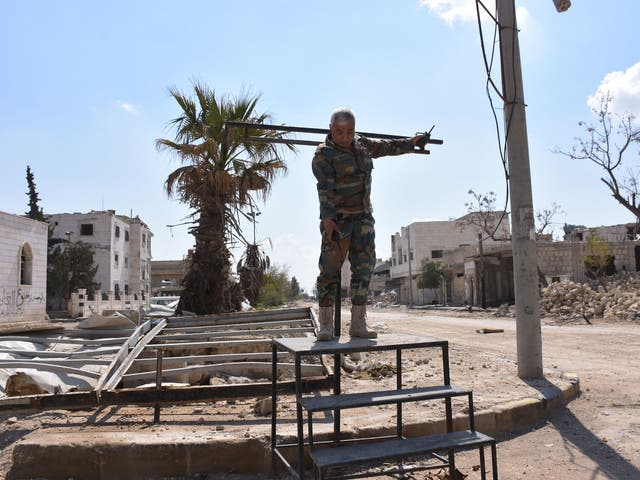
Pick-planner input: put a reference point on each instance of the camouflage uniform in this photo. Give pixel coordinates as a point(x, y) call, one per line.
point(344, 191)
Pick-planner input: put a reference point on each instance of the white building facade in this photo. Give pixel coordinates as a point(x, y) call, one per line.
point(432, 241)
point(23, 272)
point(122, 248)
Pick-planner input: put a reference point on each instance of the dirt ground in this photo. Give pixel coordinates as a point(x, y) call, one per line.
point(596, 437)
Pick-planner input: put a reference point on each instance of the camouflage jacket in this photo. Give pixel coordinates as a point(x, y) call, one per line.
point(344, 178)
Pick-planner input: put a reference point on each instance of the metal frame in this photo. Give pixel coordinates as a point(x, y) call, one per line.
point(300, 348)
point(246, 126)
point(148, 338)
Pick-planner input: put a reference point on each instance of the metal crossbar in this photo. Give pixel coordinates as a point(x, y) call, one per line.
point(250, 135)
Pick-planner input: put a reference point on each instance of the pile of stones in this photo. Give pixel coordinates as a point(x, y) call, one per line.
point(614, 298)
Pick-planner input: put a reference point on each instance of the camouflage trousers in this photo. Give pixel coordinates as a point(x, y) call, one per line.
point(357, 240)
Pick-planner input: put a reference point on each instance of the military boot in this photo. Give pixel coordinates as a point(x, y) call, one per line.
point(325, 318)
point(358, 326)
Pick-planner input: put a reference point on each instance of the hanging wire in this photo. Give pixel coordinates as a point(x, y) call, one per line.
point(489, 86)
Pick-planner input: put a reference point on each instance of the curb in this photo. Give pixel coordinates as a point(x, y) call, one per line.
point(148, 455)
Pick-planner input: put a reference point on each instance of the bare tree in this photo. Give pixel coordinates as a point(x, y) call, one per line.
point(545, 219)
point(482, 213)
point(606, 144)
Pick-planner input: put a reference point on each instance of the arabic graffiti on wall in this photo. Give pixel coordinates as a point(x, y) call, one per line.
point(14, 301)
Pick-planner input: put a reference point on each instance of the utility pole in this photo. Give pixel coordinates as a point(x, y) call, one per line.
point(409, 258)
point(525, 262)
point(481, 284)
point(68, 234)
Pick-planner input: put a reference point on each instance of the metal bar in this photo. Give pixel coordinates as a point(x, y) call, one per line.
point(240, 317)
point(61, 361)
point(274, 402)
point(156, 408)
point(318, 131)
point(234, 368)
point(336, 391)
point(238, 326)
point(399, 387)
point(72, 341)
point(147, 397)
point(310, 143)
point(42, 365)
point(337, 327)
point(494, 461)
point(290, 469)
point(122, 355)
point(233, 333)
point(299, 415)
point(447, 381)
point(483, 473)
point(127, 362)
point(472, 421)
point(171, 362)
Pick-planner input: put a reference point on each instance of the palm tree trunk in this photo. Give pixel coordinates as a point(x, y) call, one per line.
point(208, 286)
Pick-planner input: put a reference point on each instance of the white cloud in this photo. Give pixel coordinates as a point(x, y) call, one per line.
point(453, 11)
point(128, 107)
point(623, 87)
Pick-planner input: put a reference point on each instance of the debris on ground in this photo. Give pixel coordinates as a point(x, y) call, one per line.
point(490, 330)
point(613, 298)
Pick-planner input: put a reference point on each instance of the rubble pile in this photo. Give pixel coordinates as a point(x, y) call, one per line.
point(616, 298)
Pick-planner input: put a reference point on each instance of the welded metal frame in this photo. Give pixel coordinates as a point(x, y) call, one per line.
point(299, 348)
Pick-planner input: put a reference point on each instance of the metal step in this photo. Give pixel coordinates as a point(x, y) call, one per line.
point(386, 397)
point(398, 448)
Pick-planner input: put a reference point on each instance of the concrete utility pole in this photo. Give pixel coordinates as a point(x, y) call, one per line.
point(409, 257)
point(525, 260)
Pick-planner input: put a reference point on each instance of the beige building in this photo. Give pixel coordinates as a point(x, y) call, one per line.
point(447, 242)
point(167, 276)
point(122, 248)
point(23, 273)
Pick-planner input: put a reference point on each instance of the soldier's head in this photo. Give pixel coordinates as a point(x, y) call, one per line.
point(342, 126)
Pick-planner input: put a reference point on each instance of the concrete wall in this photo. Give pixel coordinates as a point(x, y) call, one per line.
point(565, 260)
point(22, 290)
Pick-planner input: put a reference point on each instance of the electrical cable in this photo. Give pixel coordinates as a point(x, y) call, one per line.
point(502, 149)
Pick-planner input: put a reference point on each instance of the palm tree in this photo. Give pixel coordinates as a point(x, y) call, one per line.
point(222, 175)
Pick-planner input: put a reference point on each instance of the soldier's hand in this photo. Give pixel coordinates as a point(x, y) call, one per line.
point(419, 137)
point(330, 227)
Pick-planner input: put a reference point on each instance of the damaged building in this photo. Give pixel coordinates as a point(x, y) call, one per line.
point(448, 242)
point(23, 273)
point(121, 245)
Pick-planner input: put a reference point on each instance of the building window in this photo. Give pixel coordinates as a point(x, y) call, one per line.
point(26, 265)
point(404, 257)
point(116, 290)
point(126, 262)
point(555, 279)
point(115, 259)
point(117, 231)
point(144, 240)
point(436, 253)
point(126, 235)
point(126, 289)
point(411, 256)
point(86, 229)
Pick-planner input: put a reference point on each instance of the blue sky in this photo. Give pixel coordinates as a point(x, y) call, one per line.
point(83, 96)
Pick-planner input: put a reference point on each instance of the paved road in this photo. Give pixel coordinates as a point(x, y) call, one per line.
point(597, 436)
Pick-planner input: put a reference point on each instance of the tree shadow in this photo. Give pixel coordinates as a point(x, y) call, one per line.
point(575, 434)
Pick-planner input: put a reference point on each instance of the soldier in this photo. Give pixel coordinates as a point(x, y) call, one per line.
point(342, 165)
